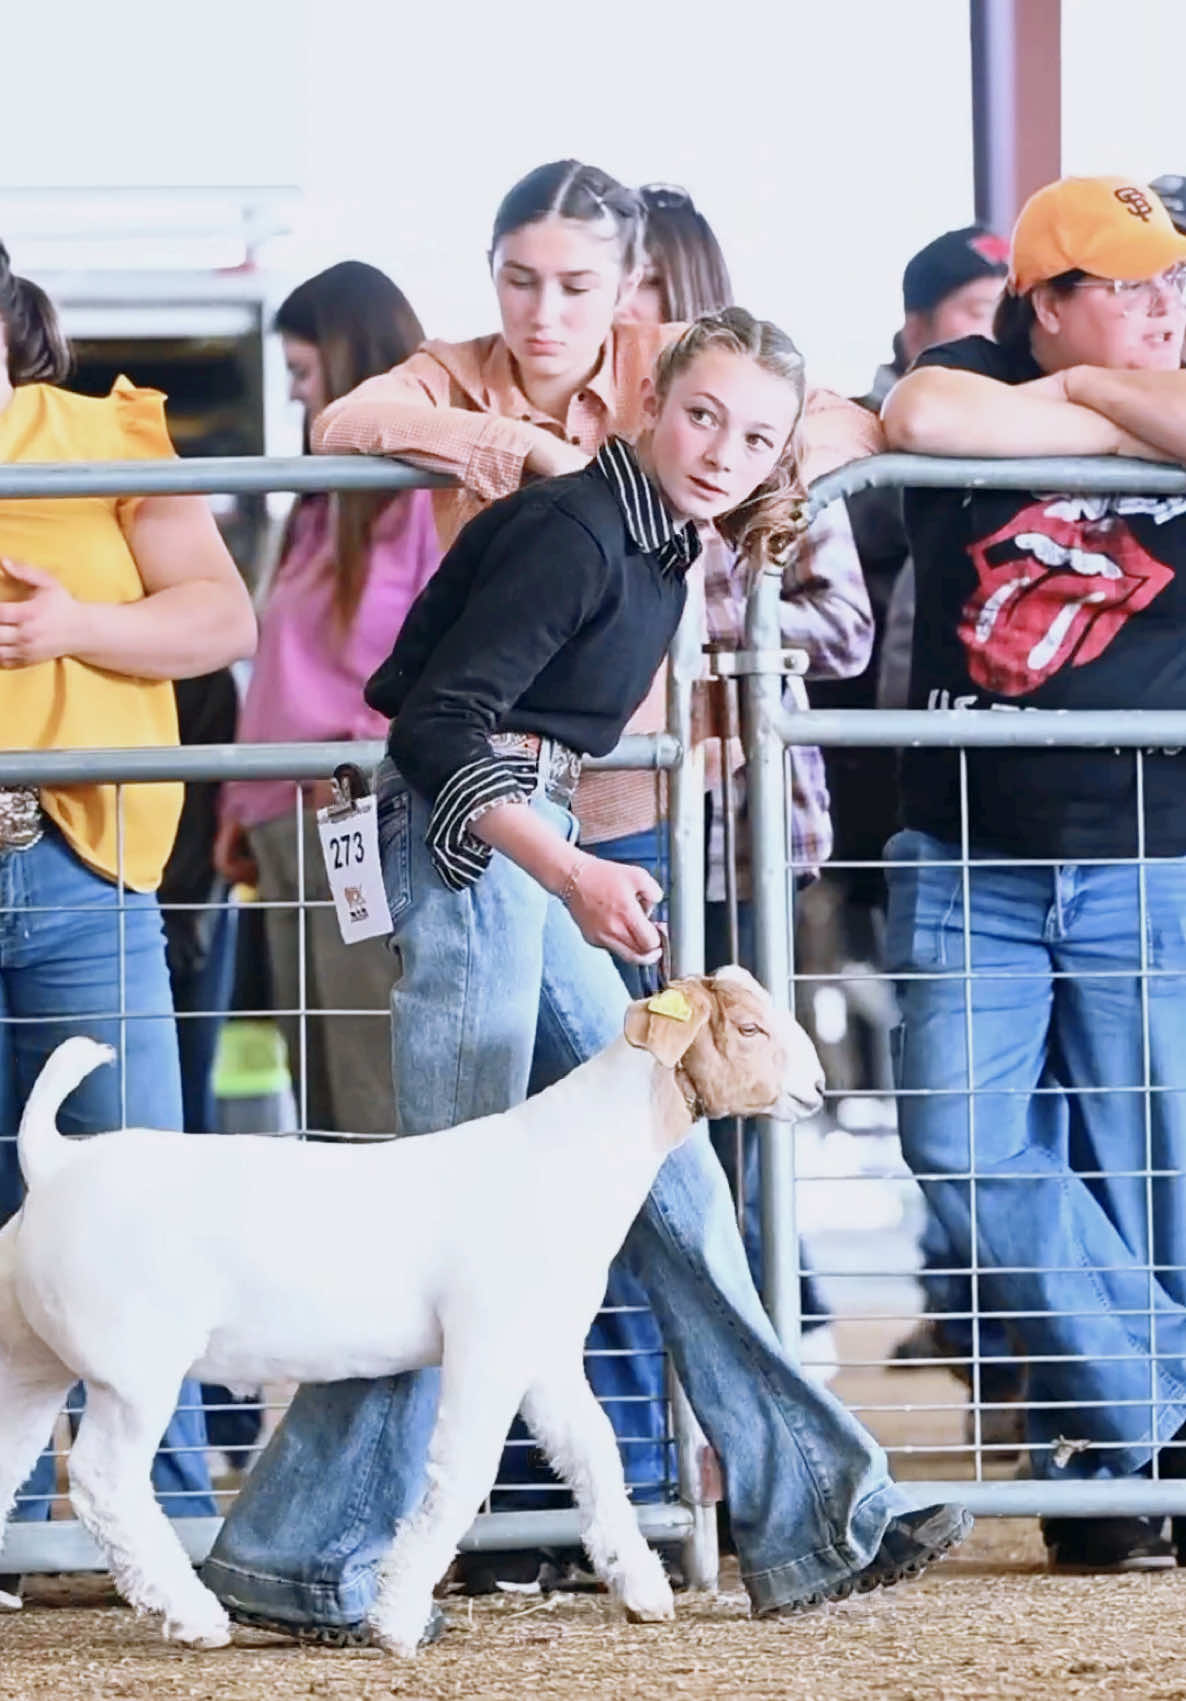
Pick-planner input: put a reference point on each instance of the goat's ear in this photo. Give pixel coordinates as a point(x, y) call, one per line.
point(667, 1024)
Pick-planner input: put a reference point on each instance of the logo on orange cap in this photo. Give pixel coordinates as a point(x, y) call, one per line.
point(1136, 201)
point(1110, 227)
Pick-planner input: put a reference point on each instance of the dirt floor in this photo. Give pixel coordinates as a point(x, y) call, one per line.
point(989, 1622)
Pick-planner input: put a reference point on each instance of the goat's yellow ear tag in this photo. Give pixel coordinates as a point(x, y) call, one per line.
point(672, 1002)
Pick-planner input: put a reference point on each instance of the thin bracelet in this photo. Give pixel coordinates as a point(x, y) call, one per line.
point(568, 891)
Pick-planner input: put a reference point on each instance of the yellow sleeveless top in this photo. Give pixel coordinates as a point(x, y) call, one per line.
point(66, 704)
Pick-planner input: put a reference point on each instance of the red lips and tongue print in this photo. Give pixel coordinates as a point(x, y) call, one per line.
point(1052, 590)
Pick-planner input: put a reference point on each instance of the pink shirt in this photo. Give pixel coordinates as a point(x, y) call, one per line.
point(306, 683)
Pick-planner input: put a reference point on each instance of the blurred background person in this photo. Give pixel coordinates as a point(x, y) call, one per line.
point(104, 601)
point(950, 289)
point(349, 568)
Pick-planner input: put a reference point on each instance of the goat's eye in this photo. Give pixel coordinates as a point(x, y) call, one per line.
point(749, 1029)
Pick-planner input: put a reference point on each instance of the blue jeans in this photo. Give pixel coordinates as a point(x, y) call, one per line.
point(1092, 1269)
point(203, 984)
point(743, 1167)
point(490, 978)
point(626, 1365)
point(60, 954)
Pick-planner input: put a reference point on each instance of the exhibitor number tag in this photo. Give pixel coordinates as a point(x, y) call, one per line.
point(350, 845)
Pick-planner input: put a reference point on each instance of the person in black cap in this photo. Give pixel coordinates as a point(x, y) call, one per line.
point(950, 289)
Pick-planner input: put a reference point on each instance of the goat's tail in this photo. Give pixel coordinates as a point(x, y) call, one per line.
point(41, 1148)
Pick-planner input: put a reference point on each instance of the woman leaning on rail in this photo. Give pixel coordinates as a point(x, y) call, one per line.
point(104, 601)
point(1077, 958)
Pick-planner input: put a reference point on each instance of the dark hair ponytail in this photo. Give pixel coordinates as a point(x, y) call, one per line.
point(575, 191)
point(38, 352)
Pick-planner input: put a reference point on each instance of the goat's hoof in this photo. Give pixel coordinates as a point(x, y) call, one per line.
point(395, 1631)
point(214, 1632)
point(650, 1606)
point(397, 1642)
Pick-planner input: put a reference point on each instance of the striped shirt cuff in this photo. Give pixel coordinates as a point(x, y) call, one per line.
point(458, 856)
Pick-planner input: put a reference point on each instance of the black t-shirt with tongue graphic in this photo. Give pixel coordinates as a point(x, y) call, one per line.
point(1046, 601)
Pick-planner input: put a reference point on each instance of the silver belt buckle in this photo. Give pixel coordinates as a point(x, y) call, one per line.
point(22, 822)
point(559, 767)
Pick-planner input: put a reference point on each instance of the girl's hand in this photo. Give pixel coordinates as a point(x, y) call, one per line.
point(45, 624)
point(232, 856)
point(609, 903)
point(550, 456)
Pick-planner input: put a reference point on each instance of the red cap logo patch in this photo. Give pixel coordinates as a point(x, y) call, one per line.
point(992, 249)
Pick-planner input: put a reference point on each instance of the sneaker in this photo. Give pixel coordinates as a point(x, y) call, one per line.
point(910, 1543)
point(1089, 1545)
point(10, 1592)
point(357, 1635)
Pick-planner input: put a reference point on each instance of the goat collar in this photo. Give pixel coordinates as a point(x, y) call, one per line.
point(687, 1091)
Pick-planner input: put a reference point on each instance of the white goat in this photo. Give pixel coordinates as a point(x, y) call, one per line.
point(140, 1257)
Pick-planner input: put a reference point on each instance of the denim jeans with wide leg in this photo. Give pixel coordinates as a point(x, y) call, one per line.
point(487, 978)
point(1092, 1267)
point(67, 941)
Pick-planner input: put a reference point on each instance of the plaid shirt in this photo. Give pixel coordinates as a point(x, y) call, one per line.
point(825, 611)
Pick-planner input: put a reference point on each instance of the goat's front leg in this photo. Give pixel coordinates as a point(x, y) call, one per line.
point(111, 1491)
point(562, 1412)
point(480, 1394)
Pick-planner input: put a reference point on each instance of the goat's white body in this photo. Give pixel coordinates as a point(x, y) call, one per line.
point(315, 1262)
point(141, 1256)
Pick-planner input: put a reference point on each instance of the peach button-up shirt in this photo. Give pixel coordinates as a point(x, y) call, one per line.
point(458, 408)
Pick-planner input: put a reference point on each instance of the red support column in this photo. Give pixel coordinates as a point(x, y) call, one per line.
point(1016, 103)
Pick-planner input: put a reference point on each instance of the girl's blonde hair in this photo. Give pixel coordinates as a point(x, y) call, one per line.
point(765, 528)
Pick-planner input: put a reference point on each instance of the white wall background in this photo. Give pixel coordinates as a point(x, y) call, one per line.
point(826, 140)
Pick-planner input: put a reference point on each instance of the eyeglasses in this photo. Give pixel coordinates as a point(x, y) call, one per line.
point(1140, 295)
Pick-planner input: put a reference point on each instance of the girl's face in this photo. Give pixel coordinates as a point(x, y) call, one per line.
point(306, 374)
point(722, 428)
point(558, 282)
point(1139, 329)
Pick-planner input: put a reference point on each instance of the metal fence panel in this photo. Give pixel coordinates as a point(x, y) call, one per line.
point(919, 1433)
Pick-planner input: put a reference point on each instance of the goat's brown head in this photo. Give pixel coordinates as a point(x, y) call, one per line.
point(741, 1055)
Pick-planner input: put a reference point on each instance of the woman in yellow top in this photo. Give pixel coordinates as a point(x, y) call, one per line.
point(103, 602)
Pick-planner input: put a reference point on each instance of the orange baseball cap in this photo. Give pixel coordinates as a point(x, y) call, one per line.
point(1109, 226)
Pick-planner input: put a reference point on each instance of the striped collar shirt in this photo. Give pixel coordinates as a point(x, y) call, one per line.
point(648, 518)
